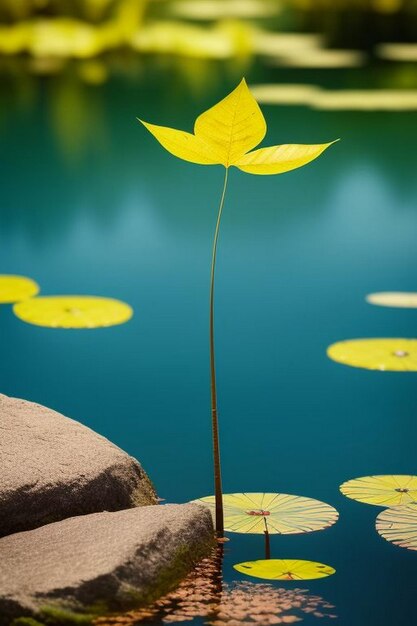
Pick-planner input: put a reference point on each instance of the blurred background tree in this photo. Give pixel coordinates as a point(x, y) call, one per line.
point(212, 28)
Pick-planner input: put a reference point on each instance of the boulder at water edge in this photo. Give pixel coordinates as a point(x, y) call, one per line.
point(52, 468)
point(100, 563)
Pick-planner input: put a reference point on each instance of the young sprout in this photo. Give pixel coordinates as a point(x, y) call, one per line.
point(225, 135)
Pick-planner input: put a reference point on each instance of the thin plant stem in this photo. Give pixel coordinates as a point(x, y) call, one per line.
point(214, 415)
point(267, 542)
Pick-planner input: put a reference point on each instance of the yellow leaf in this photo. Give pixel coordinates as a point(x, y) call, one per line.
point(279, 159)
point(285, 569)
point(181, 144)
point(224, 134)
point(233, 126)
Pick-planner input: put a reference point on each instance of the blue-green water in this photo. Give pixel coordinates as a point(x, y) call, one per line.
point(92, 204)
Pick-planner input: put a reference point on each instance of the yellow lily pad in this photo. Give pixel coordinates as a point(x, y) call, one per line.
point(16, 288)
point(399, 525)
point(376, 354)
point(398, 299)
point(284, 569)
point(279, 513)
point(384, 490)
point(73, 311)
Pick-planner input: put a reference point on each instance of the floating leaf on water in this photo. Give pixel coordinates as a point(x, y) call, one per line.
point(225, 133)
point(16, 288)
point(385, 490)
point(376, 354)
point(399, 299)
point(399, 525)
point(278, 513)
point(73, 311)
point(284, 569)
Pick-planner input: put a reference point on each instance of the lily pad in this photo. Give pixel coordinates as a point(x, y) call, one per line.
point(16, 288)
point(376, 354)
point(399, 525)
point(284, 569)
point(278, 513)
point(384, 490)
point(73, 311)
point(398, 299)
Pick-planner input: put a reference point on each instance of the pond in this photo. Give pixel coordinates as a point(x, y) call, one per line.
point(90, 204)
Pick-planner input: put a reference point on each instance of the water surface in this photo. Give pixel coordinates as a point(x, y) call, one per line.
point(91, 204)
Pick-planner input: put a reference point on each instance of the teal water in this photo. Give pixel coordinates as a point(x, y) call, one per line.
point(91, 204)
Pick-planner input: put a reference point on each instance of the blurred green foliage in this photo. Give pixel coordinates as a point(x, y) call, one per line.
point(90, 10)
point(51, 31)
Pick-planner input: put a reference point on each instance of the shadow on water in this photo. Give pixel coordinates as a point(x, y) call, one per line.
point(203, 595)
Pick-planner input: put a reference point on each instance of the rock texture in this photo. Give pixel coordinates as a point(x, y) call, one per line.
point(110, 561)
point(53, 468)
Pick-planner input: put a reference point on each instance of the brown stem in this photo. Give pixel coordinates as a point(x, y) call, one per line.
point(214, 416)
point(267, 542)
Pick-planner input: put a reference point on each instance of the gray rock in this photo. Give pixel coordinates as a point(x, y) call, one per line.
point(113, 561)
point(53, 468)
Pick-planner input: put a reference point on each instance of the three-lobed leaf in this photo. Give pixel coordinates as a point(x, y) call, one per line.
point(225, 134)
